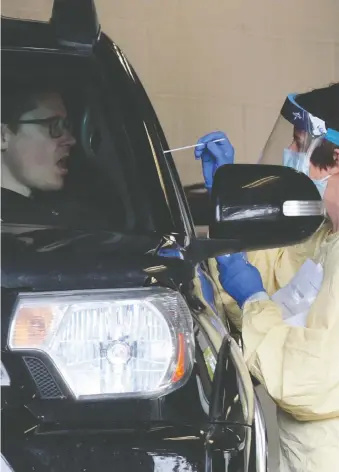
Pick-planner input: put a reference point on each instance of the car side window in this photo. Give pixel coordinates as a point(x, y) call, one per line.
point(194, 189)
point(100, 173)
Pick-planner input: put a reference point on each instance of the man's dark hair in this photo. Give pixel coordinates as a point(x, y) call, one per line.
point(17, 100)
point(323, 156)
point(323, 103)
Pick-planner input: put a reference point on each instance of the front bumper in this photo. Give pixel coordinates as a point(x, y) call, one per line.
point(106, 452)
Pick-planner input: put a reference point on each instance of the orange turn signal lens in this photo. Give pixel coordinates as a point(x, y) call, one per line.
point(32, 326)
point(180, 368)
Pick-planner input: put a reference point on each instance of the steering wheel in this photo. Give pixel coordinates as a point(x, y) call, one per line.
point(90, 134)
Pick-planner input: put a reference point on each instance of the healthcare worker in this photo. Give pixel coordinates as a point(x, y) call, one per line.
point(296, 133)
point(297, 361)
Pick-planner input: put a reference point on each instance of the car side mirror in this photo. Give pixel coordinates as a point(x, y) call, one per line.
point(262, 206)
point(257, 206)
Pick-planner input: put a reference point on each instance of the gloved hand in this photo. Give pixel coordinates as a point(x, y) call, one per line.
point(238, 277)
point(213, 155)
point(170, 252)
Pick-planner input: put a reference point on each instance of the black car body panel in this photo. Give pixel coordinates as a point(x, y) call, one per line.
point(113, 453)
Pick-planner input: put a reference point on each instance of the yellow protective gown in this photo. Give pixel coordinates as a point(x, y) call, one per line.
point(276, 266)
point(299, 367)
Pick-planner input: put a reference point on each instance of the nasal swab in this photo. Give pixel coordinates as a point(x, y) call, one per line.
point(192, 146)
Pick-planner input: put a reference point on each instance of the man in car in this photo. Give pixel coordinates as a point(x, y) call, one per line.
point(36, 142)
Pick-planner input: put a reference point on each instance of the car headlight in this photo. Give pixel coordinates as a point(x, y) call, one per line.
point(4, 466)
point(110, 343)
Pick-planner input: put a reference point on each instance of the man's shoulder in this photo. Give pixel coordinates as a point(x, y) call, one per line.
point(47, 208)
point(17, 208)
point(11, 200)
point(8, 196)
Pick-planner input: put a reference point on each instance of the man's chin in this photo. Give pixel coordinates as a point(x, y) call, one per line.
point(52, 186)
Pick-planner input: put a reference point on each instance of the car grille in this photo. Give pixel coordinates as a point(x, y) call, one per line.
point(45, 382)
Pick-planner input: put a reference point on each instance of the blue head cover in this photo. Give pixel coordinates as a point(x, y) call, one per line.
point(302, 119)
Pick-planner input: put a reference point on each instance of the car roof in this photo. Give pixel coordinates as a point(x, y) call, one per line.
point(22, 34)
point(73, 27)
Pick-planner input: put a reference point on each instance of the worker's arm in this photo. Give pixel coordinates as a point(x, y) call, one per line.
point(299, 366)
point(276, 266)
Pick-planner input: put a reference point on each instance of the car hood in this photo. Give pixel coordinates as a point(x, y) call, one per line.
point(51, 259)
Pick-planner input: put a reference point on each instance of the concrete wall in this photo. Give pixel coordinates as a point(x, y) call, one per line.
point(218, 64)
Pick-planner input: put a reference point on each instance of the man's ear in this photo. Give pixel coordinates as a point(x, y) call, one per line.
point(5, 136)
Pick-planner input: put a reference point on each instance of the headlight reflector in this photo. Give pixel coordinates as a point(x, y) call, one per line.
point(4, 466)
point(116, 343)
point(5, 381)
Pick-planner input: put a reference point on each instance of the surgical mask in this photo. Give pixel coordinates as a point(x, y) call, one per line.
point(321, 185)
point(296, 160)
point(300, 162)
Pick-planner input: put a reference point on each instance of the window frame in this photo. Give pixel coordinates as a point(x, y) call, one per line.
point(166, 216)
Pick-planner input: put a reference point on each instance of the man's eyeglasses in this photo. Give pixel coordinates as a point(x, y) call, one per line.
point(56, 125)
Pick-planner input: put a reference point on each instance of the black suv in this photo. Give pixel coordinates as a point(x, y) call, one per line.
point(116, 352)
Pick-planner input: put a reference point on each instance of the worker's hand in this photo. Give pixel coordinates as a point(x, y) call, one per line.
point(213, 155)
point(170, 252)
point(238, 277)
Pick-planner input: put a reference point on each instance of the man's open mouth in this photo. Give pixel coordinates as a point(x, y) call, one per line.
point(62, 164)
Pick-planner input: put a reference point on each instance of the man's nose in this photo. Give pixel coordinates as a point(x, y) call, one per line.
point(69, 139)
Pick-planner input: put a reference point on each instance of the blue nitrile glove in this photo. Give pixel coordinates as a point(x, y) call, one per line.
point(238, 277)
point(170, 252)
point(213, 155)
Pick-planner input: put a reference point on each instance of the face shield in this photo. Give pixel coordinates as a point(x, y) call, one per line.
point(294, 137)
